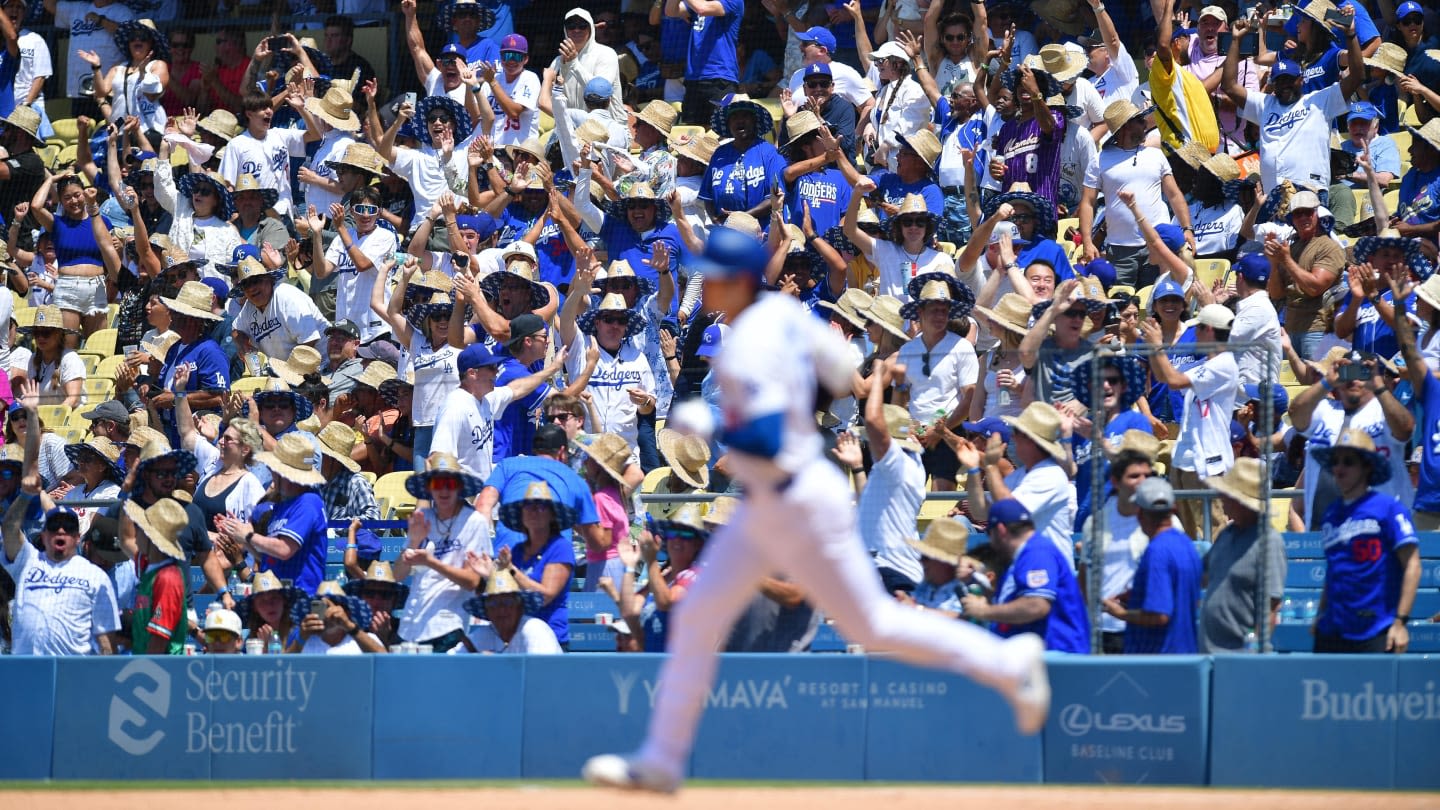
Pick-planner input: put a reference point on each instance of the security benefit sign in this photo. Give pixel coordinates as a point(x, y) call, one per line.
point(1137, 720)
point(228, 717)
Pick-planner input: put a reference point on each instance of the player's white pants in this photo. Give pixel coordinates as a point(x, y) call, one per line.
point(808, 533)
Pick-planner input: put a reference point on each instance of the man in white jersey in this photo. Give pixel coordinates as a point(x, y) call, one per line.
point(797, 520)
point(92, 27)
point(63, 602)
point(35, 66)
point(1113, 72)
point(265, 152)
point(466, 426)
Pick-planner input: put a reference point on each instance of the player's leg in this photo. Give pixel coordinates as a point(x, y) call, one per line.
point(825, 556)
point(731, 567)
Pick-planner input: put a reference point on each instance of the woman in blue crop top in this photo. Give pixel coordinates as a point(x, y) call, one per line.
point(84, 252)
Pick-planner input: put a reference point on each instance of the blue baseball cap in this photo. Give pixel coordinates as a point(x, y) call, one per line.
point(819, 69)
point(1254, 268)
point(730, 253)
point(451, 49)
point(62, 512)
point(1364, 111)
point(1102, 271)
point(1182, 32)
point(1285, 67)
point(1167, 288)
point(1172, 235)
point(1279, 400)
point(819, 35)
point(988, 427)
point(712, 340)
point(217, 286)
point(482, 224)
point(1407, 8)
point(476, 355)
point(599, 87)
point(240, 254)
point(1009, 511)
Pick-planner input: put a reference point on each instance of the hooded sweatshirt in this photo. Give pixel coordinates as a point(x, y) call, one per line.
point(593, 60)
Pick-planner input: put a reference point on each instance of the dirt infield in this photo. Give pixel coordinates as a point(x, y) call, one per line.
point(547, 797)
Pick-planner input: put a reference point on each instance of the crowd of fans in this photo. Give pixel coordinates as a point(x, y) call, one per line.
point(1212, 272)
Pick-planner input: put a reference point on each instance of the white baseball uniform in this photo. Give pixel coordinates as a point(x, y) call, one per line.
point(797, 519)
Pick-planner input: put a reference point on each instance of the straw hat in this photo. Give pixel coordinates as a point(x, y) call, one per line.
point(158, 347)
point(1390, 58)
point(621, 269)
point(1119, 113)
point(336, 441)
point(720, 121)
point(1193, 153)
point(1041, 423)
point(939, 286)
point(850, 305)
point(801, 124)
point(744, 223)
point(688, 457)
point(221, 123)
point(901, 427)
point(157, 448)
point(376, 373)
point(1222, 166)
point(47, 316)
point(539, 296)
point(356, 608)
point(381, 573)
point(1429, 133)
point(639, 191)
point(914, 205)
point(612, 302)
point(659, 114)
point(162, 524)
point(1141, 441)
point(1316, 10)
point(267, 582)
point(291, 460)
point(193, 300)
point(360, 156)
point(249, 182)
point(1415, 257)
point(303, 360)
point(609, 450)
point(592, 131)
point(437, 304)
point(1042, 207)
point(722, 509)
point(503, 583)
point(511, 512)
point(531, 147)
point(1059, 61)
point(24, 118)
point(186, 187)
point(945, 540)
point(699, 148)
point(1429, 292)
point(100, 447)
point(1360, 442)
point(885, 312)
point(335, 108)
point(1240, 483)
point(442, 463)
point(685, 520)
point(1011, 313)
point(925, 144)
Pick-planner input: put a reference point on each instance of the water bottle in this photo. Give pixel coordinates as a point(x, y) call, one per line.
point(274, 647)
point(1288, 613)
point(1252, 642)
point(1310, 611)
point(341, 579)
point(233, 584)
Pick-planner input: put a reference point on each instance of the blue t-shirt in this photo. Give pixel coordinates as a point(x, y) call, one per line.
point(1323, 72)
point(557, 551)
point(209, 371)
point(1165, 404)
point(712, 45)
point(9, 67)
point(1083, 447)
point(1427, 494)
point(302, 520)
point(1365, 29)
point(1041, 570)
point(622, 242)
point(1167, 580)
point(557, 264)
point(827, 193)
point(1372, 333)
point(1423, 208)
point(1050, 252)
point(739, 181)
point(1362, 573)
point(893, 190)
point(515, 429)
point(1414, 182)
point(1384, 155)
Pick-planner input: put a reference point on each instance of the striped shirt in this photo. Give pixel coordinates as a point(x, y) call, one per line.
point(59, 607)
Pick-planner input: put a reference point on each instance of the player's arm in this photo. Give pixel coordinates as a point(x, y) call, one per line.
point(1025, 610)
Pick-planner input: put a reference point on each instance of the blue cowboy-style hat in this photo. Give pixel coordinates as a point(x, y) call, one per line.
point(602, 280)
point(1416, 259)
point(490, 286)
point(291, 593)
point(359, 610)
point(536, 492)
point(417, 314)
point(276, 387)
point(457, 113)
point(961, 298)
point(611, 302)
point(1044, 209)
point(159, 43)
point(720, 120)
point(446, 13)
point(282, 62)
point(1047, 83)
point(1131, 368)
point(1352, 440)
point(112, 467)
point(186, 186)
point(638, 191)
point(530, 602)
point(185, 462)
point(401, 590)
point(418, 484)
point(838, 240)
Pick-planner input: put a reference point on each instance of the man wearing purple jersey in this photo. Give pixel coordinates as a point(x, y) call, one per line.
point(1027, 147)
point(1372, 565)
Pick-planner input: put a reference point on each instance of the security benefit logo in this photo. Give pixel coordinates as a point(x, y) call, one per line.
point(263, 707)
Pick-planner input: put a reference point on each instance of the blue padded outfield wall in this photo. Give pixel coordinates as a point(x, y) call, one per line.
point(1299, 720)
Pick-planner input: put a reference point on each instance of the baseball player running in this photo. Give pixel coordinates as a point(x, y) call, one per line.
point(797, 519)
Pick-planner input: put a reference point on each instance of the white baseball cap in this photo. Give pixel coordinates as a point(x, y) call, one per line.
point(222, 619)
point(1216, 12)
point(1216, 316)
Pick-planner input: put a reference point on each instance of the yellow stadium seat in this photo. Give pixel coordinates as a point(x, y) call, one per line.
point(49, 152)
point(1144, 296)
point(1063, 227)
point(1392, 201)
point(54, 415)
point(391, 487)
point(102, 342)
point(948, 248)
point(113, 311)
point(368, 476)
point(246, 385)
point(67, 130)
point(1402, 140)
point(1208, 271)
point(24, 316)
point(71, 434)
point(930, 509)
point(91, 361)
point(109, 367)
point(99, 389)
point(65, 157)
point(1287, 374)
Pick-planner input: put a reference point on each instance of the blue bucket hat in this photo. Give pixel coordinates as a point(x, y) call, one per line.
point(452, 107)
point(1132, 370)
point(445, 16)
point(733, 103)
point(536, 492)
point(418, 484)
point(1044, 209)
point(961, 298)
point(186, 186)
point(276, 388)
point(357, 608)
point(1357, 441)
point(1415, 258)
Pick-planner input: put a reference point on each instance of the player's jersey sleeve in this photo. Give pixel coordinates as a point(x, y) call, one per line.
point(1037, 574)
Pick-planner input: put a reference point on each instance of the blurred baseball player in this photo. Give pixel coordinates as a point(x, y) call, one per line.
point(797, 519)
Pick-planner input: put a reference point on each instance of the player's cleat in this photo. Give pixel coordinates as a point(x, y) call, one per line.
point(610, 770)
point(1030, 696)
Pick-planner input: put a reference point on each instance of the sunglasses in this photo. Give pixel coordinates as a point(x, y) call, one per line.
point(913, 222)
point(925, 364)
point(441, 118)
point(512, 56)
point(1109, 380)
point(444, 484)
point(203, 191)
point(615, 319)
point(439, 317)
point(365, 209)
point(553, 418)
point(1413, 19)
point(631, 205)
point(819, 83)
point(168, 472)
point(1021, 217)
point(1074, 313)
point(1345, 460)
point(447, 60)
point(213, 637)
point(578, 25)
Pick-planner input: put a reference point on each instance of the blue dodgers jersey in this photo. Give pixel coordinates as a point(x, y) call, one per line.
point(1167, 581)
point(1362, 573)
point(1427, 494)
point(1040, 570)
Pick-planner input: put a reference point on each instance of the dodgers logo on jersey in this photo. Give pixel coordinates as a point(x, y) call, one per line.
point(1278, 124)
point(37, 578)
point(1038, 578)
